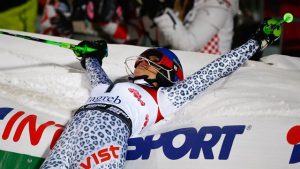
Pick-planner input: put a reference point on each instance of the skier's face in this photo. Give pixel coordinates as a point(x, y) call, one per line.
point(144, 67)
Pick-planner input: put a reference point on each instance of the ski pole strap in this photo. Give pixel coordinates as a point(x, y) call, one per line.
point(111, 109)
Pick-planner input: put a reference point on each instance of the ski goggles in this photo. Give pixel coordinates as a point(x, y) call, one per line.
point(151, 60)
point(155, 58)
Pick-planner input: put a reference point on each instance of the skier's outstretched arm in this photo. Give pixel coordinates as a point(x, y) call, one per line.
point(184, 91)
point(92, 62)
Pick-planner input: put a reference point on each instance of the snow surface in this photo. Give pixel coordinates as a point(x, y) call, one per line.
point(50, 78)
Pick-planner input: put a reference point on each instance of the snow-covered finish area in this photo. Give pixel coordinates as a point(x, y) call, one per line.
point(250, 119)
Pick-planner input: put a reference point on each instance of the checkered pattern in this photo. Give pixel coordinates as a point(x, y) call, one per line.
point(212, 46)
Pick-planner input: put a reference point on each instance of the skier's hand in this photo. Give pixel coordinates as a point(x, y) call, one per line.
point(266, 38)
point(100, 53)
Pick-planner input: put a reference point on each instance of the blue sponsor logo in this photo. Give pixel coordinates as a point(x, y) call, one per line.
point(4, 111)
point(196, 141)
point(293, 138)
point(295, 157)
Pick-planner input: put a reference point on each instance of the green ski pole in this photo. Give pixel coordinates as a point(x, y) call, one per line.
point(273, 26)
point(78, 50)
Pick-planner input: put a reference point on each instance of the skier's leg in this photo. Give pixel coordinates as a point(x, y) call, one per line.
point(92, 139)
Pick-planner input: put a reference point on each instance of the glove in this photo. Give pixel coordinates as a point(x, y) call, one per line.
point(100, 53)
point(267, 33)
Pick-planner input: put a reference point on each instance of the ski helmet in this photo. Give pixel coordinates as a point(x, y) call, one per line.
point(168, 64)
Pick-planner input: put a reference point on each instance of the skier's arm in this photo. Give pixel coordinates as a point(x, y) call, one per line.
point(92, 62)
point(184, 91)
point(95, 72)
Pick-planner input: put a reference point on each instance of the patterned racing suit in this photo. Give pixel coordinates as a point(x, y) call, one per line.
point(97, 135)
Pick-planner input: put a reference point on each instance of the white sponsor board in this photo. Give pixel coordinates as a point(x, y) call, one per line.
point(249, 119)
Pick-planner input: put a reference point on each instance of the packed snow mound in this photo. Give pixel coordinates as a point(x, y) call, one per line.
point(51, 78)
point(264, 96)
point(283, 62)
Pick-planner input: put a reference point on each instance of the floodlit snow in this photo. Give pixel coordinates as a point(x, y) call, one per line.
point(50, 78)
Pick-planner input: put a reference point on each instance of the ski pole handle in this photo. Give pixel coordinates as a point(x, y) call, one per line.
point(273, 26)
point(76, 49)
point(288, 17)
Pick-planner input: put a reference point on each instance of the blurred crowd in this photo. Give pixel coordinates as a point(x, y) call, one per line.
point(199, 25)
point(208, 26)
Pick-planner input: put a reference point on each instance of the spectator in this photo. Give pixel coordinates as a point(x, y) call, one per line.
point(56, 18)
point(206, 27)
point(81, 19)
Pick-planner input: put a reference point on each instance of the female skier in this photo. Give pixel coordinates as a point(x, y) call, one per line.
point(97, 135)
